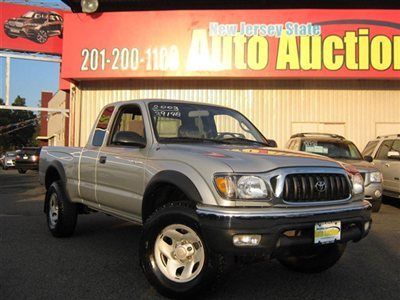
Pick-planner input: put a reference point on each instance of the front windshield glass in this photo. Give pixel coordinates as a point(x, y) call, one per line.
point(194, 123)
point(29, 14)
point(340, 150)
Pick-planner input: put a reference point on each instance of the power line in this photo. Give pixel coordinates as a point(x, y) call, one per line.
point(32, 123)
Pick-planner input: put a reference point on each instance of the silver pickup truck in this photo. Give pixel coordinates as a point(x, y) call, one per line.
point(207, 187)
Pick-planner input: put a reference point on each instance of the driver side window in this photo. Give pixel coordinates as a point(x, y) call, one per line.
point(130, 123)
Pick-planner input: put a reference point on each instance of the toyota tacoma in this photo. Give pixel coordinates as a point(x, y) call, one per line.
point(208, 189)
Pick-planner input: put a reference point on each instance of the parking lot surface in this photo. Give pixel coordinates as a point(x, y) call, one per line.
point(101, 260)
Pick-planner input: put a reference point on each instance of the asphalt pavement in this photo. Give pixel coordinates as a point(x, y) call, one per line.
point(101, 260)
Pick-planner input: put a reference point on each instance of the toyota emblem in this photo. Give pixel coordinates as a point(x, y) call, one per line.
point(320, 186)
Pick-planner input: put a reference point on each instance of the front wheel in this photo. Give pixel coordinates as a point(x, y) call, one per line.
point(315, 260)
point(61, 213)
point(173, 253)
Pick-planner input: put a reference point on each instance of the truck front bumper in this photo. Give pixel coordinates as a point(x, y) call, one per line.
point(277, 225)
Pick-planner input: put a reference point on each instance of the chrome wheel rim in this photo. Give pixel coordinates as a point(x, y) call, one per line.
point(179, 253)
point(42, 36)
point(53, 210)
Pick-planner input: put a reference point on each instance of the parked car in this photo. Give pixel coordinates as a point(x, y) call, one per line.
point(9, 160)
point(2, 157)
point(384, 153)
point(27, 159)
point(37, 26)
point(338, 148)
point(206, 186)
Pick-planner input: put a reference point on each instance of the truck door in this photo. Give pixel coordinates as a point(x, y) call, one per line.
point(89, 156)
point(383, 164)
point(120, 167)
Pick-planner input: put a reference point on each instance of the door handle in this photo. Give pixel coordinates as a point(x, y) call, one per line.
point(102, 159)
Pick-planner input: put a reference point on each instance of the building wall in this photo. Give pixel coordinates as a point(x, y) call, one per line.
point(44, 101)
point(56, 121)
point(359, 109)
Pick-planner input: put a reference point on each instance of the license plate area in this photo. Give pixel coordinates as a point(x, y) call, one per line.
point(327, 232)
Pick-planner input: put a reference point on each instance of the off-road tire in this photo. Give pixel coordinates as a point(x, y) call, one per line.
point(212, 270)
point(315, 260)
point(21, 171)
point(67, 211)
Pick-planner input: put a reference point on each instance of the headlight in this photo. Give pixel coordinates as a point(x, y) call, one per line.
point(34, 158)
point(358, 183)
point(241, 187)
point(375, 177)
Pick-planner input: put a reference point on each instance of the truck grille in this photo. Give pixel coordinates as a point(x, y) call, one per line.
point(315, 187)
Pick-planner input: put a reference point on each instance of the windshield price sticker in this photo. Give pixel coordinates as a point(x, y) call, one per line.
point(168, 111)
point(316, 149)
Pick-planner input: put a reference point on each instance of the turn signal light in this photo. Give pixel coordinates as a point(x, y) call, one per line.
point(243, 240)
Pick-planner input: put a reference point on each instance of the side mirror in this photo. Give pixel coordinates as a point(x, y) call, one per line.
point(368, 158)
point(272, 143)
point(129, 138)
point(393, 155)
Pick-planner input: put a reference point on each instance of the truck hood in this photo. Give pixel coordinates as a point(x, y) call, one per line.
point(249, 158)
point(361, 165)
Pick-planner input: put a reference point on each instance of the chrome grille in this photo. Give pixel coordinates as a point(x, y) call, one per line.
point(315, 187)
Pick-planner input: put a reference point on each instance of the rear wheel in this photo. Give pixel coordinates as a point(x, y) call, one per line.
point(61, 213)
point(173, 254)
point(21, 171)
point(315, 260)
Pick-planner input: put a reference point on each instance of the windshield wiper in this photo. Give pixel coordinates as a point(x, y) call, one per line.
point(244, 141)
point(191, 140)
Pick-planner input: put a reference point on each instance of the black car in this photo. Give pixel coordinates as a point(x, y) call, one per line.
point(27, 159)
point(35, 25)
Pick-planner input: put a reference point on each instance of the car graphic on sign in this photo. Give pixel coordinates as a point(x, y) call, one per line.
point(36, 26)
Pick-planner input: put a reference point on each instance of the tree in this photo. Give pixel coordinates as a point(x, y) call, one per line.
point(23, 126)
point(5, 119)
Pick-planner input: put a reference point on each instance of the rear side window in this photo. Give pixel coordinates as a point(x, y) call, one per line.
point(369, 149)
point(102, 126)
point(384, 149)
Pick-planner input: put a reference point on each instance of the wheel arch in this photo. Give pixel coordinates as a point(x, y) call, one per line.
point(55, 172)
point(165, 184)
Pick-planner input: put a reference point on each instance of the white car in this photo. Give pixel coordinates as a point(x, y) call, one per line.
point(9, 160)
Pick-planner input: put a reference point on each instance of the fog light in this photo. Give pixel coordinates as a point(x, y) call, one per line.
point(378, 194)
point(246, 239)
point(367, 226)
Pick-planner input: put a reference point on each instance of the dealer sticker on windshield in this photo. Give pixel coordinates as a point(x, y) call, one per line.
point(327, 232)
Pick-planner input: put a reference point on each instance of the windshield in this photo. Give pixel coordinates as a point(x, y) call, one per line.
point(35, 15)
point(195, 123)
point(29, 14)
point(340, 150)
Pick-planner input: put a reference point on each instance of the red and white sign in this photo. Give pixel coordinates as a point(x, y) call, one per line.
point(233, 43)
point(31, 29)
